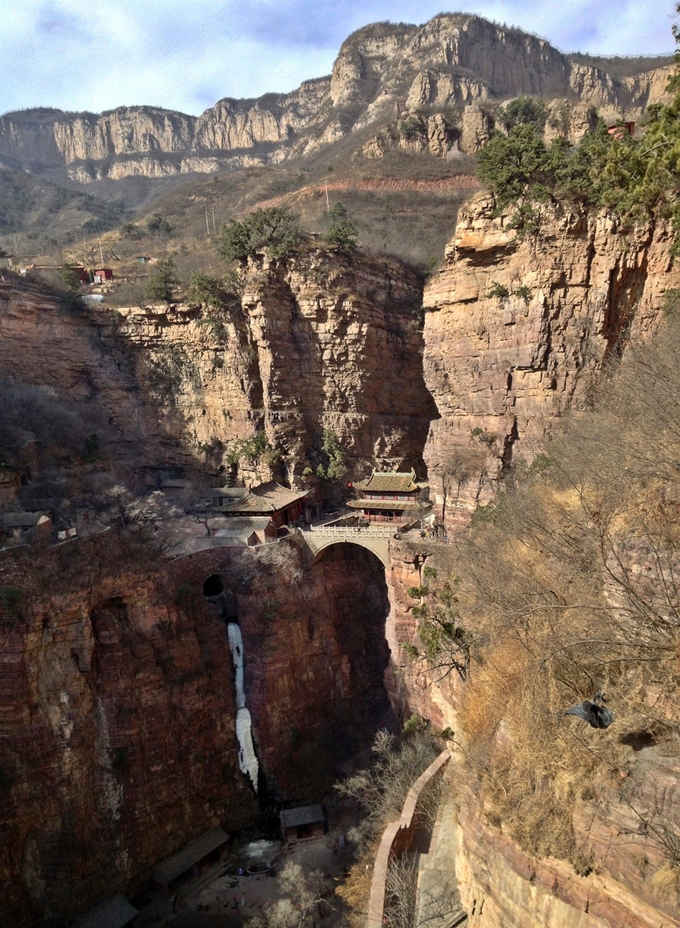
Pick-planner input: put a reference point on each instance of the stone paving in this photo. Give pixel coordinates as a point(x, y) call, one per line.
point(438, 904)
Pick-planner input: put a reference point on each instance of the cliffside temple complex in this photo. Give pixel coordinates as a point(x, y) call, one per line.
point(390, 497)
point(185, 643)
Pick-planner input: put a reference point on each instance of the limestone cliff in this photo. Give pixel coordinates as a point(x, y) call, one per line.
point(515, 330)
point(317, 341)
point(452, 60)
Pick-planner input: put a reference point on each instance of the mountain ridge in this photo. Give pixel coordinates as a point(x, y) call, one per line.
point(454, 60)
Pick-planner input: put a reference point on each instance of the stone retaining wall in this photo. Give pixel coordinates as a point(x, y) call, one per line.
point(397, 838)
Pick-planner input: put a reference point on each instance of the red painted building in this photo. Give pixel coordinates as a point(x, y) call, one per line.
point(104, 273)
point(283, 506)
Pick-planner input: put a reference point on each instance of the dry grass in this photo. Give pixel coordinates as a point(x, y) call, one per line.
point(666, 881)
point(355, 890)
point(570, 584)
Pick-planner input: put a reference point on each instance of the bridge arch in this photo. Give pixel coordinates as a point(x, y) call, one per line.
point(320, 540)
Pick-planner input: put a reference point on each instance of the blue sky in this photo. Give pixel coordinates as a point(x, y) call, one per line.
point(187, 54)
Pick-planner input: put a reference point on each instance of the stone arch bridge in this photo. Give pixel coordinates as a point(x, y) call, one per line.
point(375, 538)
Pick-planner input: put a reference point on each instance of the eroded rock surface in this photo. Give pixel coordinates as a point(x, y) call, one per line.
point(319, 341)
point(118, 705)
point(452, 60)
point(515, 330)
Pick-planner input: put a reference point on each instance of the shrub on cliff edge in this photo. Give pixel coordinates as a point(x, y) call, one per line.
point(162, 282)
point(274, 228)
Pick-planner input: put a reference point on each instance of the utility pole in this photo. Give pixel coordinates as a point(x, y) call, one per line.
point(328, 205)
point(213, 215)
point(207, 224)
point(101, 253)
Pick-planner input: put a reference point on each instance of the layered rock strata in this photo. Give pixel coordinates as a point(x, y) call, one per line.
point(516, 329)
point(318, 341)
point(502, 885)
point(452, 60)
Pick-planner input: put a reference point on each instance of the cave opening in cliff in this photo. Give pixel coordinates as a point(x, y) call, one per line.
point(309, 657)
point(213, 586)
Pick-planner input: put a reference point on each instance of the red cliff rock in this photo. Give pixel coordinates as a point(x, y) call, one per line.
point(515, 330)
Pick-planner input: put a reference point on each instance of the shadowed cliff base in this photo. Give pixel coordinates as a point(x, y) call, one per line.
point(129, 749)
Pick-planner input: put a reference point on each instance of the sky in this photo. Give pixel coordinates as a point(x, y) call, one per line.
point(187, 54)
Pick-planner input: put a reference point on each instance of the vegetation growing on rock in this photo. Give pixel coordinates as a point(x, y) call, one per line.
point(162, 281)
point(633, 176)
point(568, 584)
point(274, 228)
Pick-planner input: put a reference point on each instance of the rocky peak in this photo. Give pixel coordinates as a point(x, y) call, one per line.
point(451, 60)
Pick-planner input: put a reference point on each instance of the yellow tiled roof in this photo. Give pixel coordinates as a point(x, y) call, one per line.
point(389, 482)
point(396, 505)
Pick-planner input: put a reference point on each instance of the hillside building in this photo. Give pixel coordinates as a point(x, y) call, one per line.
point(303, 822)
point(389, 497)
point(111, 913)
point(281, 505)
point(194, 859)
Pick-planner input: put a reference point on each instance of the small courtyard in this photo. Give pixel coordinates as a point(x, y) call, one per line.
point(245, 888)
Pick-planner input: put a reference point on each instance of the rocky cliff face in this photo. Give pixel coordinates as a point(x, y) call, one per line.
point(117, 706)
point(516, 329)
point(452, 60)
point(620, 827)
point(501, 885)
point(316, 342)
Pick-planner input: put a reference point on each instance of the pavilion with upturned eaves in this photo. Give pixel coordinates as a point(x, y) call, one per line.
point(389, 497)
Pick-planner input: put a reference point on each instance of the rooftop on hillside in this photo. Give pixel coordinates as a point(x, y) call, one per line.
point(268, 497)
point(389, 482)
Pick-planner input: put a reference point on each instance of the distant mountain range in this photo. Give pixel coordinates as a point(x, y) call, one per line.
point(450, 63)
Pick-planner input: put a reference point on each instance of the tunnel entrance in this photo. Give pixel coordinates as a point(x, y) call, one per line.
point(213, 586)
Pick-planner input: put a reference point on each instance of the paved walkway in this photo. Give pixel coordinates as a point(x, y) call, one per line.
point(438, 903)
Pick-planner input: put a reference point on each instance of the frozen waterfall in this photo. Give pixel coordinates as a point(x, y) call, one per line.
point(247, 759)
point(236, 648)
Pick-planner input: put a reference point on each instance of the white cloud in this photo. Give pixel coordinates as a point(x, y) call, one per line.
point(186, 54)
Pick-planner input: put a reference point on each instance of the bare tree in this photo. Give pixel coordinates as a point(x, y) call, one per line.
point(301, 895)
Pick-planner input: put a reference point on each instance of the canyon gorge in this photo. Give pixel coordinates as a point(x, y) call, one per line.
point(117, 672)
point(148, 694)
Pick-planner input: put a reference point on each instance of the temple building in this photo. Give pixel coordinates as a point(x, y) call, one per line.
point(281, 505)
point(390, 497)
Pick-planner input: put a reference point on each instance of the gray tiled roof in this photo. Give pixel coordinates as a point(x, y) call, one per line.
point(20, 519)
point(225, 492)
point(183, 860)
point(111, 913)
point(304, 815)
point(268, 497)
point(396, 505)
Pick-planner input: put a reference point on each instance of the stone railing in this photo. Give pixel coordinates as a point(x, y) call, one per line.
point(375, 531)
point(397, 838)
